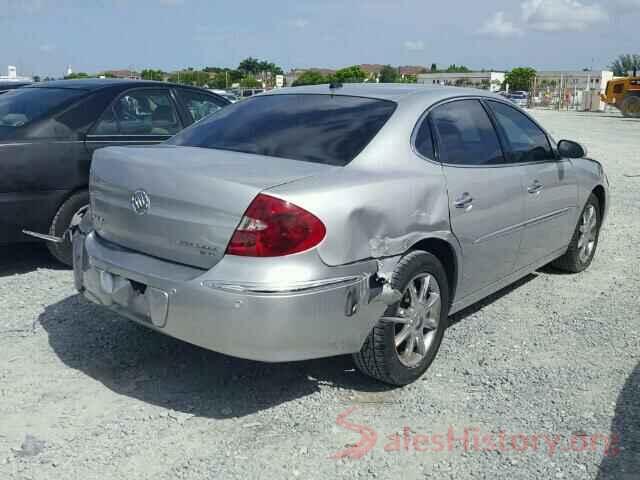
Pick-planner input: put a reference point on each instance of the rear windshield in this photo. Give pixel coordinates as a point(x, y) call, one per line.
point(328, 129)
point(23, 105)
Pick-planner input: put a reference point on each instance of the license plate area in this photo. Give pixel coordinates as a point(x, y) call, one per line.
point(140, 299)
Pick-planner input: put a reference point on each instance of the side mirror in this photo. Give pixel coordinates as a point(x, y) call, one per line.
point(570, 149)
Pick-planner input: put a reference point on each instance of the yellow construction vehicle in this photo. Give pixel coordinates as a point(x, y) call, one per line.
point(624, 94)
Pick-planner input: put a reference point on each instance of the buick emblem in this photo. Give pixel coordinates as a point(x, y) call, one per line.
point(140, 202)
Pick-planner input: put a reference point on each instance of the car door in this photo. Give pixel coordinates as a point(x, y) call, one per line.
point(485, 195)
point(140, 116)
point(198, 104)
point(550, 188)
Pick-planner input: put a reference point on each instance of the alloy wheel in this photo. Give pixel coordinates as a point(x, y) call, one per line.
point(588, 233)
point(416, 319)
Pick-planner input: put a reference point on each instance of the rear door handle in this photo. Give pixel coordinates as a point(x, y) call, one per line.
point(535, 187)
point(463, 201)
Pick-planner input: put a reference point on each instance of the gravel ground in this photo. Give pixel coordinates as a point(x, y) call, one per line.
point(552, 361)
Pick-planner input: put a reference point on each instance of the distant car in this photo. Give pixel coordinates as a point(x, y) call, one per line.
point(224, 93)
point(49, 131)
point(6, 86)
point(314, 221)
point(231, 97)
point(521, 99)
point(248, 92)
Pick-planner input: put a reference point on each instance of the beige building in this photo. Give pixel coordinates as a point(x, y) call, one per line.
point(486, 80)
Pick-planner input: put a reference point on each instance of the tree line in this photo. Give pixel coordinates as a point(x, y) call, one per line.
point(250, 73)
point(254, 73)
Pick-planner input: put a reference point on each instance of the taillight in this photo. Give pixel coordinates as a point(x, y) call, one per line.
point(272, 227)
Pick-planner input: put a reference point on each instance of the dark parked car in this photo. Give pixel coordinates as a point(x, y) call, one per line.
point(11, 85)
point(49, 131)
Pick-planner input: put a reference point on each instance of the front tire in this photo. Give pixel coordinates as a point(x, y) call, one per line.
point(69, 213)
point(584, 242)
point(406, 340)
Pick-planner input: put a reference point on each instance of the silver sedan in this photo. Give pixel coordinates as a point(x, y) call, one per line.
point(325, 220)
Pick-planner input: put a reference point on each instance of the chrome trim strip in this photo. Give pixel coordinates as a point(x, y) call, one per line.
point(547, 216)
point(124, 141)
point(284, 288)
point(522, 225)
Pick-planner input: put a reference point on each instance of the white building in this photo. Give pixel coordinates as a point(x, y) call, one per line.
point(12, 76)
point(571, 89)
point(578, 80)
point(485, 80)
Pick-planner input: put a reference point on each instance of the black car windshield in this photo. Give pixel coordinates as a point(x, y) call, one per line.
point(328, 129)
point(23, 105)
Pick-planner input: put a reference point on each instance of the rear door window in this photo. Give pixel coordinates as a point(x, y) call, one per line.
point(199, 104)
point(140, 112)
point(328, 129)
point(465, 134)
point(424, 140)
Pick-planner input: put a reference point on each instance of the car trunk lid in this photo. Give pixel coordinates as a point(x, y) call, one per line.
point(181, 203)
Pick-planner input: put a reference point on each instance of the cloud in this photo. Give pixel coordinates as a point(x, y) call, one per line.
point(47, 48)
point(561, 15)
point(414, 45)
point(298, 22)
point(171, 3)
point(498, 26)
point(11, 8)
point(625, 6)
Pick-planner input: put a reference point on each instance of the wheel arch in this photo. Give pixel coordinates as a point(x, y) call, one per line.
point(63, 200)
point(601, 195)
point(444, 251)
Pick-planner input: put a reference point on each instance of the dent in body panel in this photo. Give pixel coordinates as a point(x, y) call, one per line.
point(370, 215)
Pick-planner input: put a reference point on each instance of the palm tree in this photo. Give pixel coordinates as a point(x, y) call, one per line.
point(624, 64)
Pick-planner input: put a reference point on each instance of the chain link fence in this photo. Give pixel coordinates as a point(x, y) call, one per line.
point(565, 94)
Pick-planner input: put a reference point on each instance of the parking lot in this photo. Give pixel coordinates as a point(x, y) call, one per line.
point(548, 370)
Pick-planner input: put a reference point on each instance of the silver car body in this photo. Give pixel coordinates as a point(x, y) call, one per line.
point(168, 269)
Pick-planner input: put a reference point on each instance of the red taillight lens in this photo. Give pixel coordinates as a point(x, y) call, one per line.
point(272, 227)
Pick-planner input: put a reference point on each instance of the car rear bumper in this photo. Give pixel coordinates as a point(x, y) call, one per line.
point(274, 319)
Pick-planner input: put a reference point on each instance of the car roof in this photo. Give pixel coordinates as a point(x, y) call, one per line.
point(397, 92)
point(10, 83)
point(93, 84)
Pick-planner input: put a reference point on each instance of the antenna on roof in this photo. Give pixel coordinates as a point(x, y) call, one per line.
point(334, 85)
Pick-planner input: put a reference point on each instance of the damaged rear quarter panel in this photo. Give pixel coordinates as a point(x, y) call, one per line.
point(373, 213)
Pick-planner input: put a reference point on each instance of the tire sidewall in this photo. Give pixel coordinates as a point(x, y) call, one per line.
point(627, 102)
point(61, 222)
point(593, 200)
point(420, 262)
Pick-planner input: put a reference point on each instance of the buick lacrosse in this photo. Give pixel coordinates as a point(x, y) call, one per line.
point(316, 221)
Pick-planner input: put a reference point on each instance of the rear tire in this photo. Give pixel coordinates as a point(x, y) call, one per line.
point(631, 106)
point(76, 204)
point(584, 242)
point(420, 316)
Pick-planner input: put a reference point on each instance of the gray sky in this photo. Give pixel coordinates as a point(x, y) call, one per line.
point(44, 36)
